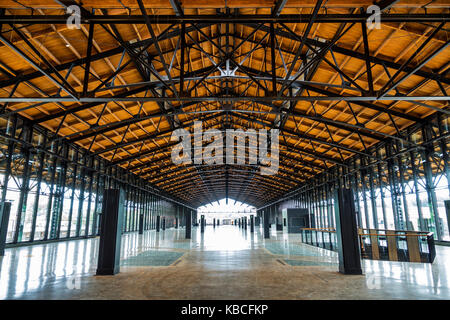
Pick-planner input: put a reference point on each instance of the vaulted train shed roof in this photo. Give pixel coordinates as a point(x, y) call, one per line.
point(136, 70)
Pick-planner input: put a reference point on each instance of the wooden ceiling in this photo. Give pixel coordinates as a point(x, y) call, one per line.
point(130, 61)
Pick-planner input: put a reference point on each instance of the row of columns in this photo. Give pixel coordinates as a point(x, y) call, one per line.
point(73, 181)
point(393, 189)
point(243, 223)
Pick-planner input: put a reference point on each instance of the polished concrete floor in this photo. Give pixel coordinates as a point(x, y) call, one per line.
point(223, 263)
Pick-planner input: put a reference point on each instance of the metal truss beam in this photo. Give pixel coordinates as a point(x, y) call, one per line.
point(165, 35)
point(279, 6)
point(304, 169)
point(176, 180)
point(304, 136)
point(223, 18)
point(177, 8)
point(175, 174)
point(291, 35)
point(385, 4)
point(269, 98)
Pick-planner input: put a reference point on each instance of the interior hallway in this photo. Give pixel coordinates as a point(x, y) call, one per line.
point(223, 263)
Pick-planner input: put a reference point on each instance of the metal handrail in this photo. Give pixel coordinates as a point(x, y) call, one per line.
point(413, 254)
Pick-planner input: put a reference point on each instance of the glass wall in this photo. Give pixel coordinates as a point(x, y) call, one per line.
point(403, 185)
point(56, 189)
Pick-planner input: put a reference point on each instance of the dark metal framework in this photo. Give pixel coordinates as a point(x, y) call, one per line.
point(408, 178)
point(387, 163)
point(58, 190)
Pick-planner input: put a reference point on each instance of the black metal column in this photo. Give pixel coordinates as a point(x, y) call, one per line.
point(38, 193)
point(97, 197)
point(24, 188)
point(430, 183)
point(72, 197)
point(252, 223)
point(152, 208)
point(202, 224)
point(52, 173)
point(347, 232)
point(381, 188)
point(11, 130)
point(158, 223)
point(80, 197)
point(266, 223)
point(188, 222)
point(5, 210)
point(110, 234)
point(89, 199)
point(141, 223)
point(447, 211)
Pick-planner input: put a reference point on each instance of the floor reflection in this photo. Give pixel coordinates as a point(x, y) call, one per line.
point(50, 270)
